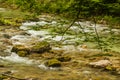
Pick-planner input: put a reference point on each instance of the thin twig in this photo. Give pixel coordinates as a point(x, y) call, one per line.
point(83, 30)
point(68, 28)
point(97, 35)
point(76, 18)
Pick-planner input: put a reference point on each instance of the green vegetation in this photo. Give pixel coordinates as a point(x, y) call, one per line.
point(78, 47)
point(101, 9)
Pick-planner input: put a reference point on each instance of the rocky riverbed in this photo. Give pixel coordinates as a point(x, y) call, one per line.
point(40, 51)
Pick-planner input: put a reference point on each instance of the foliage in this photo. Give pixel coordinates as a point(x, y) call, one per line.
point(86, 7)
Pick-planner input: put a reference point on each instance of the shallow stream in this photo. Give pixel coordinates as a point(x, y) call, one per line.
point(71, 43)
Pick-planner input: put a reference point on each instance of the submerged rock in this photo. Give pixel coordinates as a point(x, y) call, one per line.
point(53, 63)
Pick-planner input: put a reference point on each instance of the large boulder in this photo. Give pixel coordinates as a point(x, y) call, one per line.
point(17, 48)
point(100, 63)
point(21, 50)
point(40, 47)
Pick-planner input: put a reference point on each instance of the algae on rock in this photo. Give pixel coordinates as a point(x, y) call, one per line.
point(22, 53)
point(64, 58)
point(41, 47)
point(53, 63)
point(17, 48)
point(38, 47)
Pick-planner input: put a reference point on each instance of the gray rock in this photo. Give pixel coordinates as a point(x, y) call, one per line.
point(100, 63)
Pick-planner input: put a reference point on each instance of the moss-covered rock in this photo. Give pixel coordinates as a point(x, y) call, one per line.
point(41, 47)
point(22, 53)
point(17, 48)
point(38, 47)
point(53, 63)
point(64, 58)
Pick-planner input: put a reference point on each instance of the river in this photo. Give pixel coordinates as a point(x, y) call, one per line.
point(73, 44)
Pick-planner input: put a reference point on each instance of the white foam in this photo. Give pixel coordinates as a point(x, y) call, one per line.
point(25, 26)
point(42, 23)
point(15, 58)
point(19, 37)
point(37, 33)
point(29, 23)
point(57, 38)
point(42, 66)
point(53, 22)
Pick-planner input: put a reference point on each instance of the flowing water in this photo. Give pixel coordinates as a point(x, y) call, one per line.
point(51, 31)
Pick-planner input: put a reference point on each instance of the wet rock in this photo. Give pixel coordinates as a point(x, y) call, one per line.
point(38, 47)
point(1, 66)
point(22, 53)
point(114, 69)
point(53, 63)
point(41, 47)
point(100, 63)
point(48, 55)
point(64, 58)
point(24, 33)
point(109, 68)
point(17, 48)
point(6, 36)
point(118, 72)
point(21, 50)
point(84, 46)
point(7, 72)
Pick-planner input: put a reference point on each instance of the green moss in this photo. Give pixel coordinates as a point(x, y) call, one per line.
point(17, 48)
point(109, 68)
point(22, 53)
point(41, 47)
point(53, 63)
